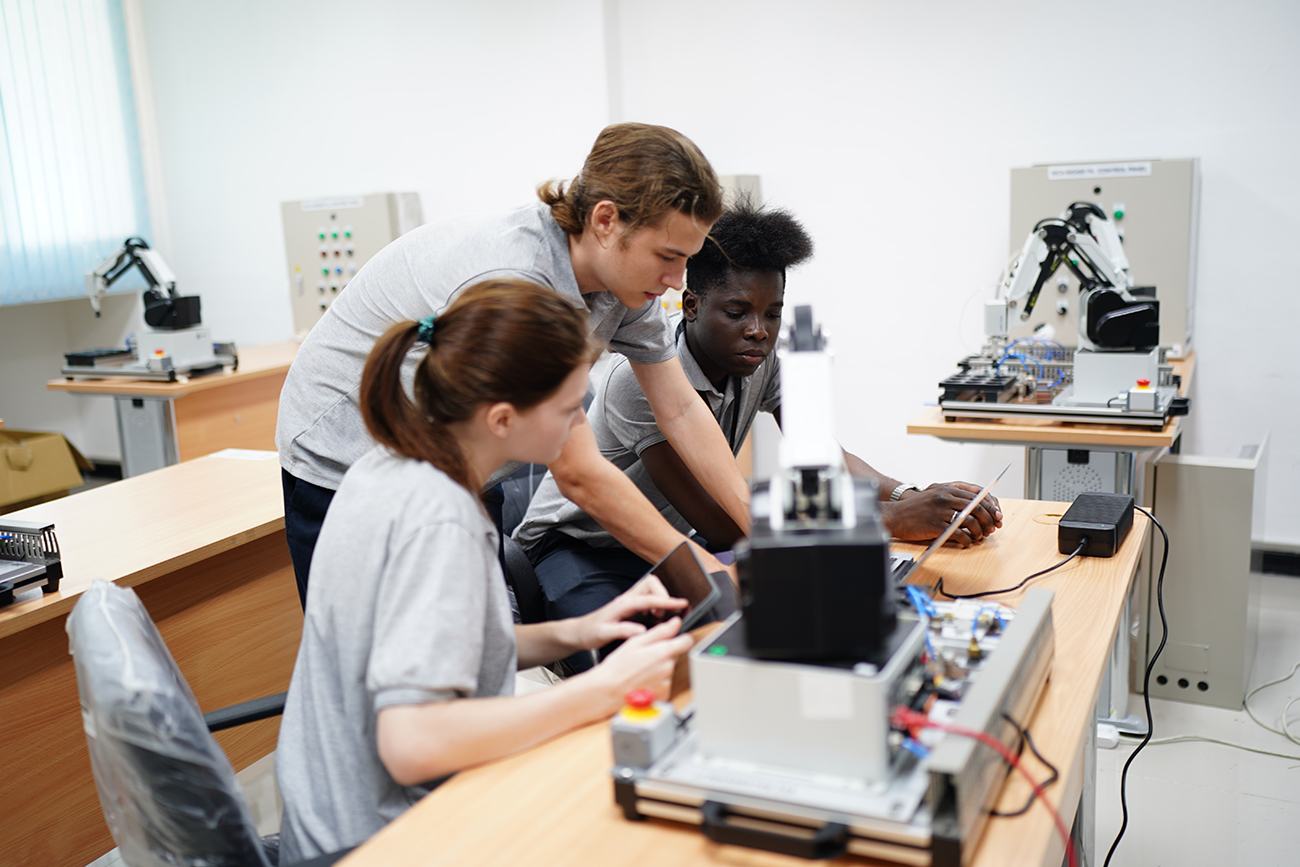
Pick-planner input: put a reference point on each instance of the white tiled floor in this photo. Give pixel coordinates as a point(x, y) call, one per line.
point(1197, 803)
point(1190, 804)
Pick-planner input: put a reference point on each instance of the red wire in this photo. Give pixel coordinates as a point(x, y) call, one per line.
point(911, 720)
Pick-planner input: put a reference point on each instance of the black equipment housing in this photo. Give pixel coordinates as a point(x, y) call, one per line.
point(171, 314)
point(817, 593)
point(1103, 519)
point(1113, 323)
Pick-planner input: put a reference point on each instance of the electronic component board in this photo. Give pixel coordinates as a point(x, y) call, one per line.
point(806, 758)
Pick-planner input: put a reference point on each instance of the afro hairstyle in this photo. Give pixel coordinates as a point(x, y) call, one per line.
point(747, 238)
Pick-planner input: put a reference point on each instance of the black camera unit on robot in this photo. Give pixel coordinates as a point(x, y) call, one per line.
point(817, 594)
point(171, 313)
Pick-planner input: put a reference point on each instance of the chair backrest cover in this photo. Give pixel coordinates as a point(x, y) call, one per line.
point(508, 502)
point(523, 582)
point(517, 491)
point(168, 791)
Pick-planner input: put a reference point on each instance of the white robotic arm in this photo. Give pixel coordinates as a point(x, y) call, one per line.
point(813, 574)
point(1083, 240)
point(1106, 237)
point(133, 252)
point(163, 308)
point(814, 484)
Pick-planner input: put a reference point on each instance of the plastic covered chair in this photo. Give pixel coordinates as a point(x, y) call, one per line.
point(167, 789)
point(507, 503)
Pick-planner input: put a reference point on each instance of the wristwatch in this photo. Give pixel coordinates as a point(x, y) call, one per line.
point(900, 490)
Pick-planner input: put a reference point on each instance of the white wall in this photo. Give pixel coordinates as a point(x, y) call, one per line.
point(888, 128)
point(33, 338)
point(253, 103)
point(469, 104)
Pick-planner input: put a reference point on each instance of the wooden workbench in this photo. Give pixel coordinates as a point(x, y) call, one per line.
point(1028, 431)
point(203, 545)
point(554, 805)
point(236, 409)
point(1031, 432)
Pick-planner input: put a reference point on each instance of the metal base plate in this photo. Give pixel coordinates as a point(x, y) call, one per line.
point(820, 815)
point(1063, 409)
point(16, 576)
point(140, 370)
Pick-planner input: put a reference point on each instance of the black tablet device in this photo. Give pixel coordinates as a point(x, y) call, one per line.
point(684, 577)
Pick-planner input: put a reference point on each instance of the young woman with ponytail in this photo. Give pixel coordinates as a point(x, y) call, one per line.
point(407, 664)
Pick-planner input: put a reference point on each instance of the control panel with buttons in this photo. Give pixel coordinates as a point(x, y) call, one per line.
point(328, 240)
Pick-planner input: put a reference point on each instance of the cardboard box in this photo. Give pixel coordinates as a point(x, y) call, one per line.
point(34, 466)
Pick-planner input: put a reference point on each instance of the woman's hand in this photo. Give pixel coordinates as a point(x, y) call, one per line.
point(644, 661)
point(419, 742)
point(610, 622)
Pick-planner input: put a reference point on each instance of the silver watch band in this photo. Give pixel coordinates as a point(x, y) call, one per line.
point(898, 492)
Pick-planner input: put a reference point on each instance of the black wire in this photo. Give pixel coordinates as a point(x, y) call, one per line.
point(938, 588)
point(1146, 683)
point(1056, 775)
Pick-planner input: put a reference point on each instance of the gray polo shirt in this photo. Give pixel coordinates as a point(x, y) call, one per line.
point(625, 426)
point(407, 606)
point(320, 432)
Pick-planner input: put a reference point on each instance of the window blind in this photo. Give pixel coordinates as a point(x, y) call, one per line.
point(71, 178)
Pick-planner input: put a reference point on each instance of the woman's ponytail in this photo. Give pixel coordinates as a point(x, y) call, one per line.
point(502, 340)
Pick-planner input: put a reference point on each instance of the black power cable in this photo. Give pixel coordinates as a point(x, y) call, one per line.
point(938, 588)
point(1146, 683)
point(1056, 774)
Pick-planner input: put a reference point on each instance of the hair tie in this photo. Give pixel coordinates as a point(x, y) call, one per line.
point(426, 329)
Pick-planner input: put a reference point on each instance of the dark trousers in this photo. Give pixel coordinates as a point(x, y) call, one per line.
point(305, 505)
point(601, 574)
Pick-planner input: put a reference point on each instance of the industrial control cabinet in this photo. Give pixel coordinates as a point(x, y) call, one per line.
point(1207, 506)
point(1155, 205)
point(326, 242)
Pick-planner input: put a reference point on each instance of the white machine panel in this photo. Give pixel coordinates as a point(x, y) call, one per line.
point(186, 347)
point(1096, 374)
point(1207, 505)
point(327, 241)
point(810, 719)
point(1155, 205)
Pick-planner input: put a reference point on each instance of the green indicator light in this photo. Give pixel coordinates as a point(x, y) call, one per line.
point(335, 234)
point(347, 234)
point(718, 650)
point(1119, 215)
point(325, 270)
point(322, 236)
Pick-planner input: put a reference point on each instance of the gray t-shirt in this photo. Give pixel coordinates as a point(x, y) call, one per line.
point(407, 606)
point(320, 432)
point(624, 426)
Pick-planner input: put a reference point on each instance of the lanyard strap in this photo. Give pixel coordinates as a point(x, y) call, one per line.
point(735, 408)
point(735, 403)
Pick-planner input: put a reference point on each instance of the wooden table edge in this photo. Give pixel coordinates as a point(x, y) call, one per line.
point(249, 370)
point(16, 618)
